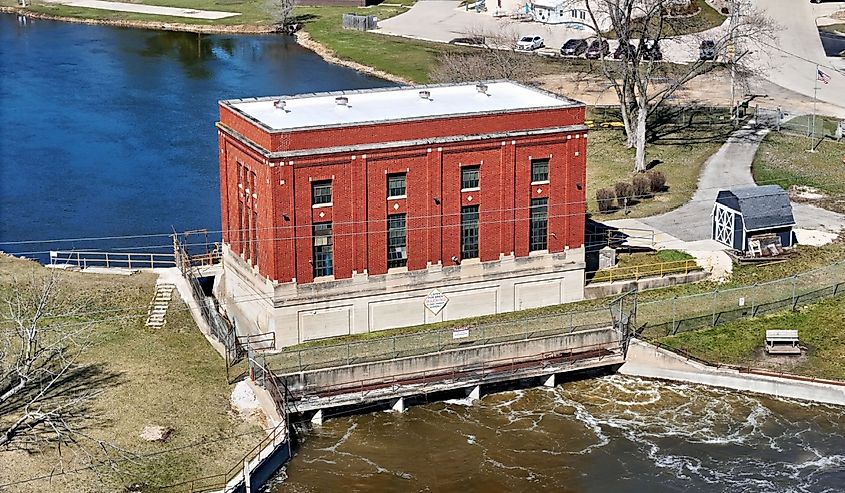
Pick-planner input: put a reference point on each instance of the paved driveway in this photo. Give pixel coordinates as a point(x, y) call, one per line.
point(730, 166)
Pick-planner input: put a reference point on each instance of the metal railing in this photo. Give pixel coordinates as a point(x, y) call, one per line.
point(133, 260)
point(469, 373)
point(431, 341)
point(654, 319)
point(637, 272)
point(228, 481)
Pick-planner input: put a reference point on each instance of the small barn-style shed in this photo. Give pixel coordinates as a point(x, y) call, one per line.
point(756, 220)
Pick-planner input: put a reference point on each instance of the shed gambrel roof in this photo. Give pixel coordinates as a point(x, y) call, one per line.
point(763, 207)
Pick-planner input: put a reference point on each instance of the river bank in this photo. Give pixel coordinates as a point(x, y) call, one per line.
point(141, 24)
point(397, 60)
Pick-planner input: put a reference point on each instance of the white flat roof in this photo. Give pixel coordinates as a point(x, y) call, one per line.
point(391, 104)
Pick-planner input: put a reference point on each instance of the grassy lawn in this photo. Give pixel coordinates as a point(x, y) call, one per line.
point(169, 377)
point(252, 11)
point(819, 328)
point(707, 18)
point(679, 154)
point(783, 159)
point(409, 59)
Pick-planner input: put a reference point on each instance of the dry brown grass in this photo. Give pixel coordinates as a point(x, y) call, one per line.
point(169, 377)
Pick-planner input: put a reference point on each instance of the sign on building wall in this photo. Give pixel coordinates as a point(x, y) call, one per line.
point(435, 301)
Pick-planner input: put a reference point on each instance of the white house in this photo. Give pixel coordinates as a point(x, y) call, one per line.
point(574, 12)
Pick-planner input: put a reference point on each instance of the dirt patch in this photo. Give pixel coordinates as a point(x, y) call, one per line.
point(781, 362)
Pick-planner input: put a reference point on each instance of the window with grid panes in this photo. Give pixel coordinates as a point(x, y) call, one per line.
point(469, 232)
point(397, 241)
point(470, 177)
point(539, 225)
point(396, 185)
point(322, 242)
point(321, 192)
point(539, 170)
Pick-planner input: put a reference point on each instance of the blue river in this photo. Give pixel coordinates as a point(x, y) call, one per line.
point(109, 132)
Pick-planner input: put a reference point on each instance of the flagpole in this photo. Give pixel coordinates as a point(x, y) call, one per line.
point(815, 101)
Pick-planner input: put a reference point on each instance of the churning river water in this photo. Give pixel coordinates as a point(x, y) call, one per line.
point(611, 434)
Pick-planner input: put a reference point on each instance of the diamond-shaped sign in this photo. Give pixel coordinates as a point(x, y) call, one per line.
point(435, 301)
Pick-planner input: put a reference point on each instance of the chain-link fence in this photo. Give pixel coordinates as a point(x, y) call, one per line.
point(680, 314)
point(653, 319)
point(820, 127)
point(431, 341)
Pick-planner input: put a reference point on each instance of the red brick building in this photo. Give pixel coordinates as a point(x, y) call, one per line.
point(347, 199)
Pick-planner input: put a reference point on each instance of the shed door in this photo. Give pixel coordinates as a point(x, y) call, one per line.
point(724, 226)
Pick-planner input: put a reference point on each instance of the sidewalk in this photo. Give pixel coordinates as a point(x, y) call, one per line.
point(146, 9)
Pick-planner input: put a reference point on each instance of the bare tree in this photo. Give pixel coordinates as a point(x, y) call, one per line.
point(643, 24)
point(281, 12)
point(494, 57)
point(43, 388)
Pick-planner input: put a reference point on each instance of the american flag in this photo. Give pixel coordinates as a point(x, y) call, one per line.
point(823, 76)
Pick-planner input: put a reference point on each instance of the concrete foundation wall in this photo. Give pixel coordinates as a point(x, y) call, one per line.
point(475, 356)
point(604, 289)
point(365, 303)
point(646, 360)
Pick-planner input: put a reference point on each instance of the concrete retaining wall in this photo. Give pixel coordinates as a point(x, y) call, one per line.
point(474, 356)
point(646, 360)
point(603, 289)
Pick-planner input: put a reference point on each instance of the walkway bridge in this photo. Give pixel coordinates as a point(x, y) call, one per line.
point(433, 365)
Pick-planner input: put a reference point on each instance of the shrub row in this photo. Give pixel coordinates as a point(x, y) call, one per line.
point(641, 186)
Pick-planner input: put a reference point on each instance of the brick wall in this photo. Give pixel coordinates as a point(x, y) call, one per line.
point(360, 206)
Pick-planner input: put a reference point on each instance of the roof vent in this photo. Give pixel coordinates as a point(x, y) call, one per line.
point(425, 95)
point(280, 105)
point(481, 88)
point(342, 101)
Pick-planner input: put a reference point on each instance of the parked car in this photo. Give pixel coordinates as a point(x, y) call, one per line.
point(625, 51)
point(475, 40)
point(597, 49)
point(652, 52)
point(574, 47)
point(530, 43)
point(707, 50)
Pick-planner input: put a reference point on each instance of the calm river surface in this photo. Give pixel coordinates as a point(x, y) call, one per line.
point(110, 132)
point(612, 434)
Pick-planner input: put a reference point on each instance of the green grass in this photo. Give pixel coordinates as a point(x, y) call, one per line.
point(252, 11)
point(406, 58)
point(707, 18)
point(819, 328)
point(783, 159)
point(680, 155)
point(168, 377)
